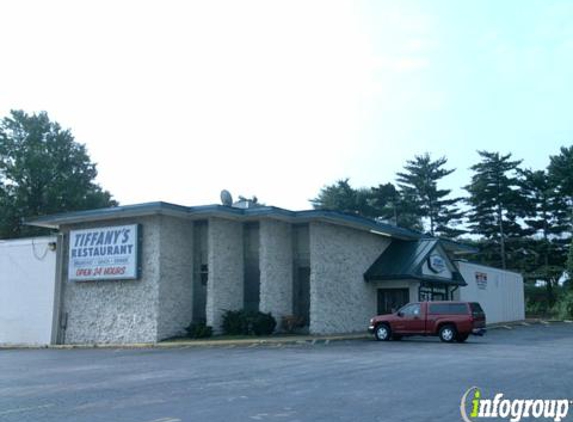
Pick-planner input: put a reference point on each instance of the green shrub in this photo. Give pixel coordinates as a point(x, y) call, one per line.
point(246, 323)
point(199, 330)
point(563, 309)
point(263, 324)
point(537, 309)
point(537, 303)
point(235, 323)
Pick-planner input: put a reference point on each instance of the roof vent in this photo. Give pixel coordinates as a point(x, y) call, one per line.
point(246, 203)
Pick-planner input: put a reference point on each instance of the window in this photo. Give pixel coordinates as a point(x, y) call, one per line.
point(448, 309)
point(411, 310)
point(477, 311)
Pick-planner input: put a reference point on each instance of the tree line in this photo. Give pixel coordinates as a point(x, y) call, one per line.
point(518, 218)
point(43, 170)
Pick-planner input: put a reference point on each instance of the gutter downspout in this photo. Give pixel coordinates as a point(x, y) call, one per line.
point(456, 287)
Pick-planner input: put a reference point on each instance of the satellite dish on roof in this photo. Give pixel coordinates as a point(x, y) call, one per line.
point(226, 198)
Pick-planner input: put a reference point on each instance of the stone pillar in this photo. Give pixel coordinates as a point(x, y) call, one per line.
point(176, 277)
point(226, 269)
point(276, 266)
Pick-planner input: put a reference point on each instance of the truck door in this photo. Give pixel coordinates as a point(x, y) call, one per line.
point(410, 320)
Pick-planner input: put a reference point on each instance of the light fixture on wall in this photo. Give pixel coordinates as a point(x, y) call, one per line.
point(52, 246)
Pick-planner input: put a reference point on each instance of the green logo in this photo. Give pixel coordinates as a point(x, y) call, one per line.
point(474, 407)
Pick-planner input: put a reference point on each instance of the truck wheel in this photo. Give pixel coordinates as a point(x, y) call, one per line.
point(460, 338)
point(382, 332)
point(448, 333)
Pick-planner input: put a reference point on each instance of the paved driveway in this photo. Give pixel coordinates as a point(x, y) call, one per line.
point(412, 380)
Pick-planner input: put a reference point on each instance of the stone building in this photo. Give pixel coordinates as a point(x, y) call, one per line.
point(191, 263)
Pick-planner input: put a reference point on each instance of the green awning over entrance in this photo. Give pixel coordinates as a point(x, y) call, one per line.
point(424, 260)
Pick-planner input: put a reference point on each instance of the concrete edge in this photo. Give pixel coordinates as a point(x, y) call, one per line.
point(202, 343)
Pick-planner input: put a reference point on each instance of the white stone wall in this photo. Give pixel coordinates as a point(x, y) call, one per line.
point(226, 269)
point(115, 311)
point(341, 301)
point(176, 277)
point(276, 265)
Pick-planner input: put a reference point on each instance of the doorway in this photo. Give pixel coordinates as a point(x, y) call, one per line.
point(389, 300)
point(301, 294)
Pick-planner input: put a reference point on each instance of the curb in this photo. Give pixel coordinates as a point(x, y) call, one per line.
point(184, 344)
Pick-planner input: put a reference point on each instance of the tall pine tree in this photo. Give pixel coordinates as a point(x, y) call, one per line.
point(496, 203)
point(419, 186)
point(561, 174)
point(544, 251)
point(391, 206)
point(569, 267)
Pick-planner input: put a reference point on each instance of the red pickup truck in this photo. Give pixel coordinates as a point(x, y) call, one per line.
point(451, 321)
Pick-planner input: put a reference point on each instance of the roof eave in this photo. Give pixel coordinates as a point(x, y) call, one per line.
point(153, 208)
point(452, 282)
point(206, 211)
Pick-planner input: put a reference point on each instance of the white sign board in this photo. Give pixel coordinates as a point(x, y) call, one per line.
point(481, 280)
point(105, 253)
point(436, 263)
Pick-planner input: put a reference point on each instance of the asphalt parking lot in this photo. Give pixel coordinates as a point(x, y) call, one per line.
point(417, 379)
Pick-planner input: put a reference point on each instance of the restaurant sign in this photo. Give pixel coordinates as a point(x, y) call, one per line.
point(105, 253)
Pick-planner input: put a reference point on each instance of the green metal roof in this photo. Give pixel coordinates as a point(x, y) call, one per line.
point(404, 259)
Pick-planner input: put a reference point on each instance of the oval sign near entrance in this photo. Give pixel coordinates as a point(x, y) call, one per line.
point(436, 263)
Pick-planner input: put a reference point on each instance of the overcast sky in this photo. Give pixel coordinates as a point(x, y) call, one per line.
point(177, 100)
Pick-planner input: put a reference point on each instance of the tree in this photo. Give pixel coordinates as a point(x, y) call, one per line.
point(339, 197)
point(570, 265)
point(496, 204)
point(43, 171)
point(391, 206)
point(419, 186)
point(561, 173)
point(381, 203)
point(561, 170)
point(344, 198)
point(544, 251)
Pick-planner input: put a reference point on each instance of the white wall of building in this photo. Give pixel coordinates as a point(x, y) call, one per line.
point(27, 282)
point(499, 292)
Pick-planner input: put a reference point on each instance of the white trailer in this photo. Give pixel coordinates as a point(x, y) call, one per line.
point(500, 292)
point(27, 290)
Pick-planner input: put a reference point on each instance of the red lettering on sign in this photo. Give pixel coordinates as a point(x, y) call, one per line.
point(114, 271)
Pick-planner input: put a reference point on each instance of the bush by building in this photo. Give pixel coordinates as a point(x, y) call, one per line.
point(243, 322)
point(199, 330)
